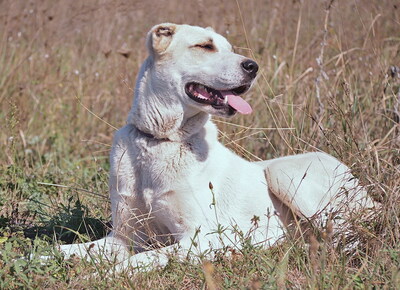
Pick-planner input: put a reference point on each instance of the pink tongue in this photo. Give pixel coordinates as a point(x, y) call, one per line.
point(238, 103)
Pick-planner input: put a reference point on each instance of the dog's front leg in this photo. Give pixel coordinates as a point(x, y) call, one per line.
point(146, 261)
point(117, 246)
point(158, 258)
point(197, 247)
point(109, 248)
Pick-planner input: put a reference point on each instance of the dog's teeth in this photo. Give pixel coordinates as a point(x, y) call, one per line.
point(201, 87)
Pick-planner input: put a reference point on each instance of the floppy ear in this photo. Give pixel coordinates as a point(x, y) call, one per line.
point(160, 37)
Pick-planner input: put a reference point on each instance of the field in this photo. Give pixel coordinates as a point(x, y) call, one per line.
point(329, 80)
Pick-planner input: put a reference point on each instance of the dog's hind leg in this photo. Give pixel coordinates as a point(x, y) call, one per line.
point(315, 191)
point(313, 183)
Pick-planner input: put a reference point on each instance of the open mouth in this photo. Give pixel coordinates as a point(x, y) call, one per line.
point(219, 99)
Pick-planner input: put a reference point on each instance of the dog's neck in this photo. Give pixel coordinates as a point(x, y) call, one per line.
point(159, 116)
point(189, 128)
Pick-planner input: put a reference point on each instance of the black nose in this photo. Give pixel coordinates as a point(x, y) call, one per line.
point(250, 67)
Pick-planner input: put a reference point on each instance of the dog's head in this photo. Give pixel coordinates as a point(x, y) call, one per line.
point(198, 66)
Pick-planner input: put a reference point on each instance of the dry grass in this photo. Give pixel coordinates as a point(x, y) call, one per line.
point(329, 81)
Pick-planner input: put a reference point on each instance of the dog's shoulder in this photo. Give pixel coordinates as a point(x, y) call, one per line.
point(124, 136)
point(123, 147)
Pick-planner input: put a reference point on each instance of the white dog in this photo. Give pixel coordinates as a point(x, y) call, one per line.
point(175, 189)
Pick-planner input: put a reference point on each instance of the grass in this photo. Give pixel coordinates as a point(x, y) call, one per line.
point(329, 81)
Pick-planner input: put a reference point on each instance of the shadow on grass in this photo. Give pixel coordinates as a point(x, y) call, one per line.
point(71, 223)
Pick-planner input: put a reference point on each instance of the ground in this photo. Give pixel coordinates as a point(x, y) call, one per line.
point(329, 80)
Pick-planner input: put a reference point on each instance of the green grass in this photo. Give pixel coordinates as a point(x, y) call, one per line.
point(64, 88)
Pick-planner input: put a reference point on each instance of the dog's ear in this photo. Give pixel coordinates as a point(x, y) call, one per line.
point(210, 28)
point(160, 37)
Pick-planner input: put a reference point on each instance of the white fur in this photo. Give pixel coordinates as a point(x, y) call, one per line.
point(164, 159)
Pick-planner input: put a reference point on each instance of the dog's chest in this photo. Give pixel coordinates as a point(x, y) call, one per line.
point(162, 165)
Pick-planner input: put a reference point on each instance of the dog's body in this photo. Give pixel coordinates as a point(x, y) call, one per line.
point(171, 181)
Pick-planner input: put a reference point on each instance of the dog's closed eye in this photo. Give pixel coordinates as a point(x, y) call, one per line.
point(206, 46)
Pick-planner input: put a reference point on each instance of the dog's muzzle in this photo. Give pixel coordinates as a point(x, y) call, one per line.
point(229, 98)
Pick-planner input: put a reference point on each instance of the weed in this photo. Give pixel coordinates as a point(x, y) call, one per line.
point(329, 80)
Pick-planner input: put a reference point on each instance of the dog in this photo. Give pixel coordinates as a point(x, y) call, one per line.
point(176, 190)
